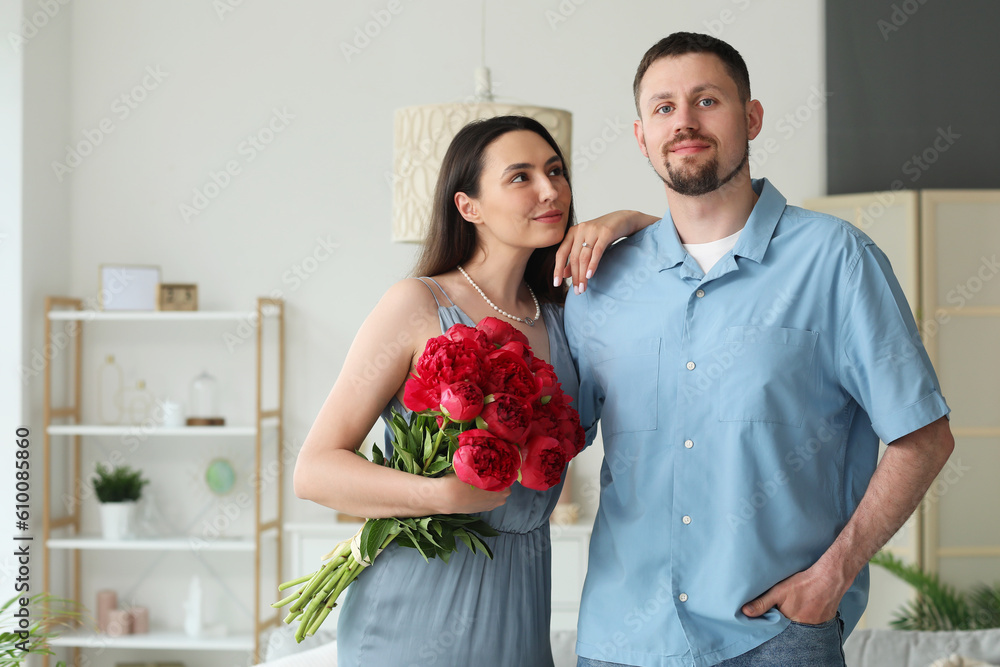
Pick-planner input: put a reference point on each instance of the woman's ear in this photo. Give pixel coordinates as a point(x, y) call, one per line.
point(467, 207)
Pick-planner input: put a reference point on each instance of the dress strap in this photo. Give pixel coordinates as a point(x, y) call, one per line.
point(433, 294)
point(440, 288)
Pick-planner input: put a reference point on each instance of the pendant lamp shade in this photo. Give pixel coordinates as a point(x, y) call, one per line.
point(422, 135)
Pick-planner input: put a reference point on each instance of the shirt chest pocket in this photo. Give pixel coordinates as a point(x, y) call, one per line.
point(771, 374)
point(629, 375)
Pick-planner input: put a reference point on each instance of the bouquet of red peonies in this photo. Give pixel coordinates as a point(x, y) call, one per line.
point(484, 408)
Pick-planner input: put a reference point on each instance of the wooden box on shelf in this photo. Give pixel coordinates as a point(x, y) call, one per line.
point(177, 296)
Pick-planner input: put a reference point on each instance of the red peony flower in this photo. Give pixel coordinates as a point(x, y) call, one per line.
point(462, 401)
point(545, 419)
point(486, 461)
point(543, 463)
point(521, 350)
point(545, 378)
point(508, 373)
point(570, 434)
point(461, 332)
point(574, 443)
point(418, 396)
point(499, 333)
point(443, 362)
point(507, 416)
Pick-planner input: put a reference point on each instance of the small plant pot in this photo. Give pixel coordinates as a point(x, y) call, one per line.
point(117, 520)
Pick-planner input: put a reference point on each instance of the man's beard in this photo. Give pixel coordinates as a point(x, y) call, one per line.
point(694, 182)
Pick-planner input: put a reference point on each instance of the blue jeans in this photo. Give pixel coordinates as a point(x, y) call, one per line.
point(799, 644)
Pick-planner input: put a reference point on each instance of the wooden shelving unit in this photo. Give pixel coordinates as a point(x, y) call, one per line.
point(63, 533)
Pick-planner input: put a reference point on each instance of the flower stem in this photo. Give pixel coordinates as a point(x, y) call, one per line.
point(282, 603)
point(309, 614)
point(295, 582)
point(437, 441)
point(313, 585)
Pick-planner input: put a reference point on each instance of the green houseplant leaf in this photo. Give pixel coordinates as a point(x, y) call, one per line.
point(939, 606)
point(46, 611)
point(119, 484)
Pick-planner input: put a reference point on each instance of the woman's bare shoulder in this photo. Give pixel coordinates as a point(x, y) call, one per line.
point(410, 290)
point(409, 302)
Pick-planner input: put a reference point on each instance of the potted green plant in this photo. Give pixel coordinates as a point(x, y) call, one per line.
point(939, 606)
point(118, 491)
point(21, 636)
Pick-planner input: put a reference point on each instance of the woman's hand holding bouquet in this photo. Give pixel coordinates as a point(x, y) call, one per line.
point(485, 409)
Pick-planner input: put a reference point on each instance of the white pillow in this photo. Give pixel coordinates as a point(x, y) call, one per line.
point(955, 660)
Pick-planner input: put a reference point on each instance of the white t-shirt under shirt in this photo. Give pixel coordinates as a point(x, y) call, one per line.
point(707, 254)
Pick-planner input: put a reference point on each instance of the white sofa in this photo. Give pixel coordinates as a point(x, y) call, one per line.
point(895, 648)
point(864, 648)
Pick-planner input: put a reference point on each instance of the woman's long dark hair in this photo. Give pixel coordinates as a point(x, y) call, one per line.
point(451, 239)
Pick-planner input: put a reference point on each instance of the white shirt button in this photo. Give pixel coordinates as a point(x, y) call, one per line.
point(689, 443)
point(686, 519)
point(700, 293)
point(690, 365)
point(683, 597)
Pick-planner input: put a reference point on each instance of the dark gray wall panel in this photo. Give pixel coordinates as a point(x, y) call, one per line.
point(915, 94)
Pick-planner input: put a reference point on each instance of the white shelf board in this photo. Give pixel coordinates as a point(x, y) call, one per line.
point(181, 543)
point(155, 640)
point(156, 315)
point(140, 430)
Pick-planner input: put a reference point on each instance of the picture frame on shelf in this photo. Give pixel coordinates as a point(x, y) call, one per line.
point(128, 286)
point(177, 297)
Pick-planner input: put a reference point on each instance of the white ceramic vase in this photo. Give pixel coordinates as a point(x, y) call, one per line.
point(118, 519)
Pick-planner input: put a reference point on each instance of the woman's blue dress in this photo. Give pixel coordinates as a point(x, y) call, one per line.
point(405, 611)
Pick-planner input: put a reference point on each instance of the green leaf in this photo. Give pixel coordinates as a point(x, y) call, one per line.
point(464, 537)
point(938, 606)
point(373, 535)
point(407, 462)
point(480, 545)
point(428, 538)
point(984, 603)
point(117, 484)
point(399, 428)
point(481, 527)
point(438, 467)
point(415, 542)
point(428, 447)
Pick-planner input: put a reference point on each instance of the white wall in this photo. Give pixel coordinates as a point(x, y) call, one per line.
point(324, 175)
point(202, 77)
point(34, 239)
point(11, 333)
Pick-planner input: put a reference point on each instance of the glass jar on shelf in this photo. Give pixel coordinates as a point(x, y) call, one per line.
point(205, 401)
point(110, 392)
point(140, 403)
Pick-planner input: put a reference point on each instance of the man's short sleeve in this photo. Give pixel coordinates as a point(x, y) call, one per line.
point(883, 363)
point(591, 397)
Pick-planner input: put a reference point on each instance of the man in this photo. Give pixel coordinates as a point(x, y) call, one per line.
point(743, 357)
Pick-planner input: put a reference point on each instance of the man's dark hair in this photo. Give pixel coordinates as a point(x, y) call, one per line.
point(681, 43)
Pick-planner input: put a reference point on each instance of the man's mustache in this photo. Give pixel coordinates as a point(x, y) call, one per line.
point(687, 137)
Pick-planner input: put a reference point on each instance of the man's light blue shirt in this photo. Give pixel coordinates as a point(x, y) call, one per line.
point(741, 413)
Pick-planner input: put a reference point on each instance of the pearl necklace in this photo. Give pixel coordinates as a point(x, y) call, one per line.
point(530, 321)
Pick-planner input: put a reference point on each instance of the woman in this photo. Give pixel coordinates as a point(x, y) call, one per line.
point(502, 206)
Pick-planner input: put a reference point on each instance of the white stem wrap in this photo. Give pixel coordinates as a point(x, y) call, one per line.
point(356, 549)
